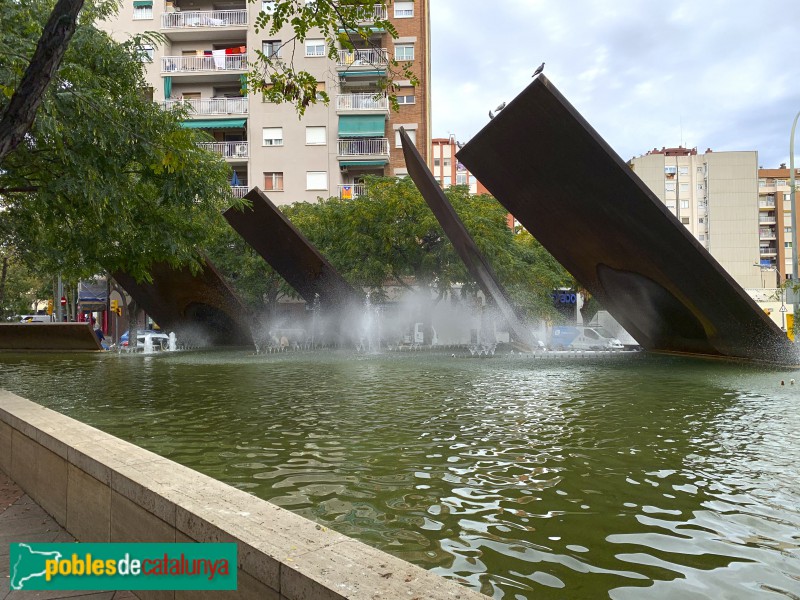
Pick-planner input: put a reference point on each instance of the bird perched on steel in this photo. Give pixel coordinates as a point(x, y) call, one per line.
point(500, 107)
point(538, 70)
point(491, 115)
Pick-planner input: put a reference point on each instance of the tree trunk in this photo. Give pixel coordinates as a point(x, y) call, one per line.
point(3, 275)
point(21, 110)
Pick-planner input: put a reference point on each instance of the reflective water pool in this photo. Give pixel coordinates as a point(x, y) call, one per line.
point(520, 477)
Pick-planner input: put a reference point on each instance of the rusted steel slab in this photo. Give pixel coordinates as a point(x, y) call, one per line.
point(565, 184)
point(464, 245)
point(200, 308)
point(290, 253)
point(48, 337)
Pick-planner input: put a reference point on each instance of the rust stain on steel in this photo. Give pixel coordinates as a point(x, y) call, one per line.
point(199, 308)
point(465, 246)
point(48, 337)
point(290, 253)
point(565, 184)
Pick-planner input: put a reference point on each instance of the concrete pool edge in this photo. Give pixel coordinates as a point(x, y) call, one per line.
point(103, 489)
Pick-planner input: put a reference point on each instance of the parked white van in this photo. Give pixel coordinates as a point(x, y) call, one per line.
point(36, 319)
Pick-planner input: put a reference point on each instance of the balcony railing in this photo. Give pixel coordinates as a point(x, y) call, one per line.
point(766, 204)
point(228, 149)
point(364, 101)
point(210, 106)
point(220, 62)
point(363, 147)
point(372, 57)
point(206, 18)
point(766, 219)
point(239, 191)
point(351, 190)
point(765, 233)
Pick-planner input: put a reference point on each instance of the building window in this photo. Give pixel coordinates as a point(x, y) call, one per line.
point(403, 10)
point(446, 181)
point(271, 48)
point(406, 99)
point(446, 162)
point(412, 135)
point(461, 179)
point(316, 180)
point(404, 52)
point(683, 170)
point(787, 244)
point(670, 171)
point(273, 136)
point(145, 53)
point(702, 237)
point(685, 220)
point(142, 10)
point(787, 230)
point(320, 90)
point(670, 187)
point(684, 187)
point(762, 183)
point(701, 220)
point(436, 162)
point(273, 182)
point(780, 182)
point(268, 6)
point(315, 47)
point(315, 136)
point(684, 204)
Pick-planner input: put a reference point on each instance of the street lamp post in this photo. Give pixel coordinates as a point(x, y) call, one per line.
point(794, 223)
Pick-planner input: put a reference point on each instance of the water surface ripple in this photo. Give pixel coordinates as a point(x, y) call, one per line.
point(521, 478)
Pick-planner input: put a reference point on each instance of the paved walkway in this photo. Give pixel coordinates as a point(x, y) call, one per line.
point(22, 520)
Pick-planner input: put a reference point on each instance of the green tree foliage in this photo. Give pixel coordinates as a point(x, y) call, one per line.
point(20, 286)
point(345, 24)
point(104, 179)
point(389, 235)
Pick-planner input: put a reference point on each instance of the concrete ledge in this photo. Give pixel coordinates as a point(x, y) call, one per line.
point(101, 488)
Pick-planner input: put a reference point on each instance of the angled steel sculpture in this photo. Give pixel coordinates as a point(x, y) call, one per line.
point(464, 245)
point(566, 185)
point(290, 253)
point(200, 308)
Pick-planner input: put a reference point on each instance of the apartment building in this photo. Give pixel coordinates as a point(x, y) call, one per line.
point(446, 168)
point(775, 220)
point(715, 196)
point(210, 45)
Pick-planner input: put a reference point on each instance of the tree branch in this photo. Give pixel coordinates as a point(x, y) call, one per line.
point(21, 110)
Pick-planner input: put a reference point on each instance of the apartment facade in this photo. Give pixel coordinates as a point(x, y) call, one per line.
point(447, 170)
point(715, 196)
point(775, 220)
point(211, 45)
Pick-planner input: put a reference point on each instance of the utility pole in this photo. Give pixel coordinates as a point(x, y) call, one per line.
point(792, 198)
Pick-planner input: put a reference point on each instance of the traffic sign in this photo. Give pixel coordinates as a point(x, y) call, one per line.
point(63, 300)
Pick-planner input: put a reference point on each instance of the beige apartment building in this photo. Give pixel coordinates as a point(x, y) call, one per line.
point(775, 220)
point(715, 195)
point(210, 45)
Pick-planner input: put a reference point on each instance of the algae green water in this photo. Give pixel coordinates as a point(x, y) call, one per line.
point(625, 477)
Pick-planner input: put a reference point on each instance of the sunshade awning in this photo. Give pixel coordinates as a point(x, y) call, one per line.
point(214, 123)
point(356, 73)
point(362, 126)
point(362, 163)
point(142, 3)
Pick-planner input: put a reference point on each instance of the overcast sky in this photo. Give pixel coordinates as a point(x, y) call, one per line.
point(723, 74)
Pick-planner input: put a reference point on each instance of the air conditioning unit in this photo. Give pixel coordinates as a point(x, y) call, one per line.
point(241, 149)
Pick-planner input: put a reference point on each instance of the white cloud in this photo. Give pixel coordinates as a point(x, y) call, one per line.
point(718, 73)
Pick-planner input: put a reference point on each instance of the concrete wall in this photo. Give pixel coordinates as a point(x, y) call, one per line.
point(103, 489)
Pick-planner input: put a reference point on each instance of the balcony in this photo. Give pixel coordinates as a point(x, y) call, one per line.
point(363, 147)
point(207, 18)
point(371, 58)
point(233, 151)
point(768, 204)
point(210, 106)
point(767, 251)
point(239, 191)
point(349, 191)
point(766, 219)
point(766, 233)
point(191, 65)
point(363, 102)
